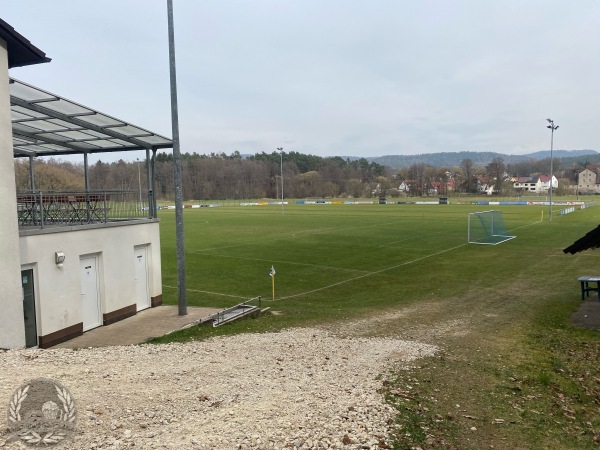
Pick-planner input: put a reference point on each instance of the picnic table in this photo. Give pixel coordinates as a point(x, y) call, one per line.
point(587, 286)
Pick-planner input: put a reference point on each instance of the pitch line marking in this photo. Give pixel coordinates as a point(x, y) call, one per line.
point(373, 273)
point(302, 232)
point(270, 261)
point(207, 292)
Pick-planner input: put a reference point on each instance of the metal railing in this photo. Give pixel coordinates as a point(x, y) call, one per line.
point(230, 314)
point(59, 208)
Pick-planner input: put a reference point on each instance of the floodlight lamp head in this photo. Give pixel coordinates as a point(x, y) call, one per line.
point(549, 126)
point(556, 127)
point(549, 120)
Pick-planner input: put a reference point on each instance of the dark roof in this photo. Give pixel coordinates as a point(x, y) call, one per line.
point(21, 52)
point(590, 240)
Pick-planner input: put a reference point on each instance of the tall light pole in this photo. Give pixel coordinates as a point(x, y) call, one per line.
point(280, 149)
point(179, 236)
point(552, 128)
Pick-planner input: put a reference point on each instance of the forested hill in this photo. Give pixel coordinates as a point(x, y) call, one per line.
point(448, 159)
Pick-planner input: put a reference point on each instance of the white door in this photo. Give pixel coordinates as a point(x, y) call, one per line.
point(90, 294)
point(141, 277)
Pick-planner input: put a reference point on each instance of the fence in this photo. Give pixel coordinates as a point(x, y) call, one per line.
point(54, 208)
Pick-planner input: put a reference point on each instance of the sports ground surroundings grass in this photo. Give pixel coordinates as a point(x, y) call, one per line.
point(513, 372)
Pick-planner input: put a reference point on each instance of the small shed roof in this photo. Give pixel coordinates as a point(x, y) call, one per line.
point(46, 124)
point(21, 52)
point(590, 240)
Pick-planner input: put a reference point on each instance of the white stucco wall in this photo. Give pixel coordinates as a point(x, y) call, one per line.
point(58, 290)
point(12, 328)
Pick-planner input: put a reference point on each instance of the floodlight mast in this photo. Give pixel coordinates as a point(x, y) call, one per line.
point(280, 150)
point(552, 128)
point(181, 285)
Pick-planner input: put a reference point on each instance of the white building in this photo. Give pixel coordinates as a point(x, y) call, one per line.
point(535, 185)
point(69, 261)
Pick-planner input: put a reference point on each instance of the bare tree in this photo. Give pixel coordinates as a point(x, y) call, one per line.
point(466, 166)
point(495, 170)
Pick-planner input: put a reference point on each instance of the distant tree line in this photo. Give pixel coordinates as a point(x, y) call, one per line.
point(218, 176)
point(221, 176)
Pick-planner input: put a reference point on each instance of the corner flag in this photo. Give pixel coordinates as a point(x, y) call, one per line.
point(272, 275)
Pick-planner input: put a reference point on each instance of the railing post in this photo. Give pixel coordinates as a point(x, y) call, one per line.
point(105, 208)
point(41, 211)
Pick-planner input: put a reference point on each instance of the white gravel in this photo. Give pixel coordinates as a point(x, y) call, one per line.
point(297, 389)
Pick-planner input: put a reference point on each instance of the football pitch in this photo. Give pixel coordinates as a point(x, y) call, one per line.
point(341, 260)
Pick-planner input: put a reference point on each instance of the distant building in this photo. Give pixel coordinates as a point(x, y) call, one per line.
point(535, 185)
point(587, 182)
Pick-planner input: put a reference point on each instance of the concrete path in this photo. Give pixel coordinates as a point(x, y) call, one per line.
point(588, 314)
point(152, 322)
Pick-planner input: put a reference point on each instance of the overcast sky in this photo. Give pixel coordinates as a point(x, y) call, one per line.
point(329, 77)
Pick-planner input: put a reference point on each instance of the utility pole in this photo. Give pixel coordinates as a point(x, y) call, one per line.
point(181, 285)
point(552, 128)
point(280, 149)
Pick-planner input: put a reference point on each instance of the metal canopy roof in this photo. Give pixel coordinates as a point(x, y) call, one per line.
point(45, 124)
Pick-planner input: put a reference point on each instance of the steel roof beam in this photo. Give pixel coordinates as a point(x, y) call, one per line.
point(81, 123)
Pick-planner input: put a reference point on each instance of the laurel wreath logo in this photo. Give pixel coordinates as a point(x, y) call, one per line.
point(32, 437)
point(14, 407)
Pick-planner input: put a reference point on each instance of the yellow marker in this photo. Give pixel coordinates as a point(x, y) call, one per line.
point(272, 274)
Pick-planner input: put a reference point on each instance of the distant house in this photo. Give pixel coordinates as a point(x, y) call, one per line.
point(587, 182)
point(405, 186)
point(535, 185)
point(525, 184)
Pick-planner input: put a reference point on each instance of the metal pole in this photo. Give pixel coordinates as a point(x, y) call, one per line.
point(552, 128)
point(152, 189)
point(181, 286)
point(551, 168)
point(281, 158)
point(148, 183)
point(139, 181)
point(31, 174)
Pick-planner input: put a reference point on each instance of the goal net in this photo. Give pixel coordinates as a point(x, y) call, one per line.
point(487, 227)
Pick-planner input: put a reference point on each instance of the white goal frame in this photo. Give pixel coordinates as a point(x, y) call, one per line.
point(487, 228)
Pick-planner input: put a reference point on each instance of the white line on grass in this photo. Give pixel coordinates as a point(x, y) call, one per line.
point(208, 292)
point(373, 273)
point(270, 261)
point(301, 232)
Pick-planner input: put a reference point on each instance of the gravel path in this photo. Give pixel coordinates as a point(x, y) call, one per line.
point(300, 388)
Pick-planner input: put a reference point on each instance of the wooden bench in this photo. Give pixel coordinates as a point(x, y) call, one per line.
point(586, 283)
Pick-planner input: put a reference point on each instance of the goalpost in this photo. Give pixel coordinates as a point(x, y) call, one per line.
point(487, 227)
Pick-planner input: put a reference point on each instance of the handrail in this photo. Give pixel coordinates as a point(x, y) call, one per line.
point(218, 316)
point(40, 209)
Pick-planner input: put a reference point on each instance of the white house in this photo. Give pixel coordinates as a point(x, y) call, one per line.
point(69, 261)
point(535, 185)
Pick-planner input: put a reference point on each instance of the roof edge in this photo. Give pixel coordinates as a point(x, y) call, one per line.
point(21, 52)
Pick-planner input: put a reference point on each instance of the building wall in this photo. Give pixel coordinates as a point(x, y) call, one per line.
point(58, 289)
point(587, 181)
point(12, 330)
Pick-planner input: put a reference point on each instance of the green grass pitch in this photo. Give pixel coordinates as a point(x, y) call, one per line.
point(335, 261)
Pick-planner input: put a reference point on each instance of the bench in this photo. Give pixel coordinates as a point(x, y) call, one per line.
point(586, 283)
